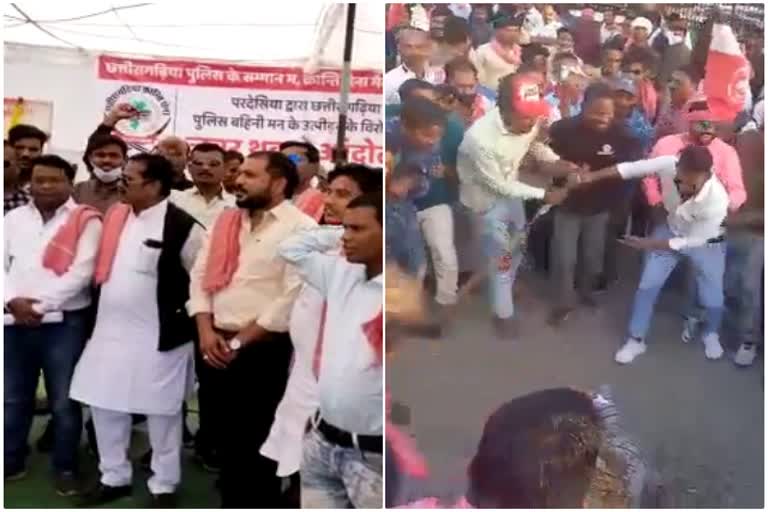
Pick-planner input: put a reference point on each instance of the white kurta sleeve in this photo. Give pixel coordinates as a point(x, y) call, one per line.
point(192, 247)
point(80, 273)
point(199, 299)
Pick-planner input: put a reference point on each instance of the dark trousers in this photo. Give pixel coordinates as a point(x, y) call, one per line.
point(576, 238)
point(617, 227)
point(211, 398)
point(54, 349)
point(252, 387)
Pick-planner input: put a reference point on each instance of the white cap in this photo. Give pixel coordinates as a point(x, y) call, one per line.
point(642, 23)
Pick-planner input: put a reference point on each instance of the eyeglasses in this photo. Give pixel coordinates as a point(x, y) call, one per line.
point(636, 72)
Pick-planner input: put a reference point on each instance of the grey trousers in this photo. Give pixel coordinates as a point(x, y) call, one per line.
point(577, 239)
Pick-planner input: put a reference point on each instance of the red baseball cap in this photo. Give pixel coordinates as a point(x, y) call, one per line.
point(526, 97)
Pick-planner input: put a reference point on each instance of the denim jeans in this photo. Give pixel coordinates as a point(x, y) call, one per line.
point(501, 224)
point(743, 285)
point(336, 477)
point(708, 263)
point(404, 243)
point(55, 349)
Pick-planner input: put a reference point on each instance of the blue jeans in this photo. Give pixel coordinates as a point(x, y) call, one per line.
point(708, 263)
point(336, 477)
point(743, 285)
point(54, 349)
point(404, 243)
point(500, 224)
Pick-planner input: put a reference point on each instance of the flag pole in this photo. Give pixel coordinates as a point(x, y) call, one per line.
point(340, 155)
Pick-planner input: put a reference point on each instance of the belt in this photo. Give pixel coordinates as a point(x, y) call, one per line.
point(346, 439)
point(716, 240)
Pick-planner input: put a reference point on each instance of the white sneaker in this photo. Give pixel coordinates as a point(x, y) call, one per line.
point(712, 347)
point(690, 329)
point(631, 349)
point(746, 354)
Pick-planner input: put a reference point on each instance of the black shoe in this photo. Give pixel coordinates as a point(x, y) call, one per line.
point(67, 485)
point(164, 500)
point(15, 474)
point(209, 461)
point(558, 316)
point(104, 494)
point(506, 328)
point(45, 442)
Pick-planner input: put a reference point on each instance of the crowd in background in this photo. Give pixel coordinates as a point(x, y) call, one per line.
point(551, 135)
point(255, 279)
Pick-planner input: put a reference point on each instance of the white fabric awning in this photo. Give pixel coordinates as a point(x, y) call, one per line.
point(282, 33)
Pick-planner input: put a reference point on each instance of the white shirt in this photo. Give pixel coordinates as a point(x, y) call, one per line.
point(121, 368)
point(548, 29)
point(26, 238)
point(461, 10)
point(396, 76)
point(606, 33)
point(693, 222)
point(488, 162)
point(533, 20)
point(193, 202)
point(350, 382)
point(301, 400)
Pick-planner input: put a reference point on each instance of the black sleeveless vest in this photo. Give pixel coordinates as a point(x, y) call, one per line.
point(176, 327)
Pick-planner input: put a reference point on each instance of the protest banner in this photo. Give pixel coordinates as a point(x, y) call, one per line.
point(245, 108)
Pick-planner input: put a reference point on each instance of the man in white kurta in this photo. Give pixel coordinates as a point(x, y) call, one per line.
point(122, 372)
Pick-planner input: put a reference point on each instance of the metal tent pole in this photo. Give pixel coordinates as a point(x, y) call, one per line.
point(340, 156)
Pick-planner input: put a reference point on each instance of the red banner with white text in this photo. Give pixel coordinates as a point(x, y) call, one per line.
point(246, 108)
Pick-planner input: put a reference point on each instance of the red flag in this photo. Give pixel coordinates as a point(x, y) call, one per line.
point(726, 76)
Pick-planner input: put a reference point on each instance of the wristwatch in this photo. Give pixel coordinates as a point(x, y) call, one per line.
point(235, 344)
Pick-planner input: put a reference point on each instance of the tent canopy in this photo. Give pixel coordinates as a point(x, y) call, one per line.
point(254, 32)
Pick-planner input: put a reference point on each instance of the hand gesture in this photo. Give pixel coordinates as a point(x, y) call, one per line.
point(555, 196)
point(23, 312)
point(216, 352)
point(121, 111)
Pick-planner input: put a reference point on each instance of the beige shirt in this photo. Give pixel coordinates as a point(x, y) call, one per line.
point(264, 287)
point(489, 160)
point(193, 202)
point(490, 67)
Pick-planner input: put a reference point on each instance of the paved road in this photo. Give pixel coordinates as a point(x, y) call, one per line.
point(700, 422)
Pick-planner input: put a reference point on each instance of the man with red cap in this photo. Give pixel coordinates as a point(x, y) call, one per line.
point(488, 163)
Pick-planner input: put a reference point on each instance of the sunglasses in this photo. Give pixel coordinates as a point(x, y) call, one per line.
point(6, 164)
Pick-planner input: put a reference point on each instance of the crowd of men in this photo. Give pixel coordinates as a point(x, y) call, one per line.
point(530, 133)
point(496, 110)
point(251, 278)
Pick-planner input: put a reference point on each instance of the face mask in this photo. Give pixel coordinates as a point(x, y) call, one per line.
point(107, 176)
